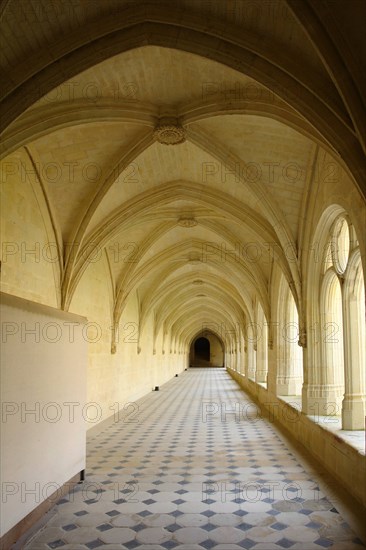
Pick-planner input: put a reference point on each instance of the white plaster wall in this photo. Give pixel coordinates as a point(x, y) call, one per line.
point(40, 371)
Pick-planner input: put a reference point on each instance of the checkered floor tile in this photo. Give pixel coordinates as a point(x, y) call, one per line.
point(195, 466)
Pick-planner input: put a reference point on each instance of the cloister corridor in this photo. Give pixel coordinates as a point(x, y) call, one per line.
point(183, 268)
point(196, 466)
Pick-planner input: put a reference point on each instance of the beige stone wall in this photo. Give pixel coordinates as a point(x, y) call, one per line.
point(114, 380)
point(92, 297)
point(29, 256)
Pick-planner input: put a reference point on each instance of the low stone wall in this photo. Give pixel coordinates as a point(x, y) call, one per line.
point(345, 463)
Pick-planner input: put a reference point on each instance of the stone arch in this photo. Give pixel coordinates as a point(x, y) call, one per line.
point(213, 350)
point(353, 406)
point(335, 378)
point(331, 341)
point(290, 360)
point(313, 387)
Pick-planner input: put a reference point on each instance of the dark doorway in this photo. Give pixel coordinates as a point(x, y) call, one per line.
point(202, 349)
point(206, 351)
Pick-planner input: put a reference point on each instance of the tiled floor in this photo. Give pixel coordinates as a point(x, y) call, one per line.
point(195, 467)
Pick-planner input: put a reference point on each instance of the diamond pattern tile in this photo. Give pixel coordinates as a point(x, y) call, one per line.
point(184, 477)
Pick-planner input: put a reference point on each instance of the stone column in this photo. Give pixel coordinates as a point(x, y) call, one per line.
point(353, 405)
point(262, 357)
point(272, 364)
point(251, 355)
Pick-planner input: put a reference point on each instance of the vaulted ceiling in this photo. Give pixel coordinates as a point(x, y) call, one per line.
point(257, 89)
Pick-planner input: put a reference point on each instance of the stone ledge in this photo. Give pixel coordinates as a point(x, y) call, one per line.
point(338, 456)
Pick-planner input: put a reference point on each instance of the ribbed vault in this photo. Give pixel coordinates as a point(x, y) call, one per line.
point(189, 232)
